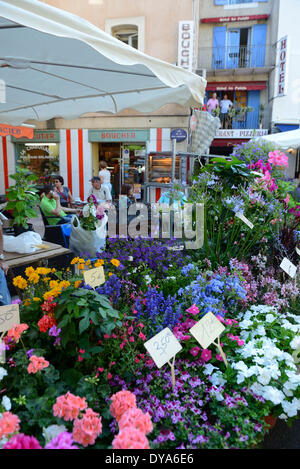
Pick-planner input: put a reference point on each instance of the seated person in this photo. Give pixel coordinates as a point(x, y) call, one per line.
point(64, 192)
point(50, 206)
point(126, 198)
point(101, 192)
point(5, 298)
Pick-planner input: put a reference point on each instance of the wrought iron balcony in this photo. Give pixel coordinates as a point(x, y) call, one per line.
point(232, 57)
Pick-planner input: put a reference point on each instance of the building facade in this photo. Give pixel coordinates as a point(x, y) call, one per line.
point(166, 30)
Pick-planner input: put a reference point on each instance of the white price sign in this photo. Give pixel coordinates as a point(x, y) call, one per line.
point(94, 277)
point(2, 352)
point(9, 316)
point(244, 219)
point(288, 267)
point(207, 330)
point(162, 347)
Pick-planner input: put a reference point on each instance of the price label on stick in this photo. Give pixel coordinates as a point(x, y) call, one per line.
point(288, 267)
point(162, 347)
point(207, 330)
point(244, 219)
point(94, 277)
point(9, 315)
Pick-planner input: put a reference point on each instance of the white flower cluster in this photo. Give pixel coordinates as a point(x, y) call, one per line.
point(264, 361)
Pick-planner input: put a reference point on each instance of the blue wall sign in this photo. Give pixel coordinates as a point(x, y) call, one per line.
point(178, 134)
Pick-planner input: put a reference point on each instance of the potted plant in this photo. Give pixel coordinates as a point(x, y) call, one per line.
point(22, 200)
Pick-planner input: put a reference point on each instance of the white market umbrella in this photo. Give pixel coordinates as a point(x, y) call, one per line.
point(56, 64)
point(284, 140)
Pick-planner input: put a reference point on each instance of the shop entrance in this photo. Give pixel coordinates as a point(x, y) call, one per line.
point(126, 163)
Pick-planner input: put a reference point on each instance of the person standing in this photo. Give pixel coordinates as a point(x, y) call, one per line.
point(104, 175)
point(5, 298)
point(212, 103)
point(225, 105)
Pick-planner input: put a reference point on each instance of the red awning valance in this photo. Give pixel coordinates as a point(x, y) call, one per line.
point(218, 142)
point(236, 86)
point(17, 132)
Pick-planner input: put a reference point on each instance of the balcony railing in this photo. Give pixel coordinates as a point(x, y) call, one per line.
point(232, 57)
point(247, 120)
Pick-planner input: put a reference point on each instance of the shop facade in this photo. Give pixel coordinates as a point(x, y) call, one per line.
point(75, 154)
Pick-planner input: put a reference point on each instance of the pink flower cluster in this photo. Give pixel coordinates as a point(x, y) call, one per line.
point(22, 441)
point(87, 425)
point(9, 424)
point(88, 428)
point(134, 425)
point(37, 364)
point(69, 406)
point(278, 158)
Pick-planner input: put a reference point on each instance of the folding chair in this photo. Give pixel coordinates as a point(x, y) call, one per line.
point(57, 234)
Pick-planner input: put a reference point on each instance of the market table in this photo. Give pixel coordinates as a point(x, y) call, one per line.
point(14, 259)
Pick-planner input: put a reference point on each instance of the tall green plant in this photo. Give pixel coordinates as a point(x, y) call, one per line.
point(23, 197)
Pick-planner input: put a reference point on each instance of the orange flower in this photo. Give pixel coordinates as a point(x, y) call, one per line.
point(9, 423)
point(99, 263)
point(130, 438)
point(37, 364)
point(121, 401)
point(77, 283)
point(16, 331)
point(69, 406)
point(88, 428)
point(135, 417)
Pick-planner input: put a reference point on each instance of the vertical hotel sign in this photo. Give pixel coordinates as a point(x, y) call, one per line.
point(282, 67)
point(186, 44)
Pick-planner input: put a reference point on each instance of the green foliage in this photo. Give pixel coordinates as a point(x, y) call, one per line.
point(23, 197)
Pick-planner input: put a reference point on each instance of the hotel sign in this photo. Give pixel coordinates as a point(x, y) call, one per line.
point(234, 19)
point(186, 44)
point(282, 67)
point(240, 133)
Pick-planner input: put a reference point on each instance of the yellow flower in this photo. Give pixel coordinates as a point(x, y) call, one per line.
point(29, 271)
point(26, 302)
point(20, 282)
point(88, 262)
point(80, 266)
point(77, 283)
point(46, 279)
point(115, 262)
point(75, 260)
point(64, 284)
point(110, 274)
point(99, 263)
point(43, 270)
point(37, 299)
point(68, 269)
point(53, 284)
point(34, 278)
point(53, 270)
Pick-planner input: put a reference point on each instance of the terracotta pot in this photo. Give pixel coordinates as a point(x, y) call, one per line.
point(270, 421)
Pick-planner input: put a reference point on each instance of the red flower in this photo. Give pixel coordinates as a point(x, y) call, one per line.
point(46, 322)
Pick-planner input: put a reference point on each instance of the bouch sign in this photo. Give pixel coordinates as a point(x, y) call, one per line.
point(118, 135)
point(186, 44)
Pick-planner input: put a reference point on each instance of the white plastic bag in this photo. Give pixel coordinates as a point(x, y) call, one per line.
point(25, 243)
point(83, 241)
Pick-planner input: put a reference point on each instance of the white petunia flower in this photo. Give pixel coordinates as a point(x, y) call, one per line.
point(272, 394)
point(291, 408)
point(295, 343)
point(6, 403)
point(52, 432)
point(3, 373)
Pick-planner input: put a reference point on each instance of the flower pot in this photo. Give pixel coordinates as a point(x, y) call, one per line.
point(270, 421)
point(20, 229)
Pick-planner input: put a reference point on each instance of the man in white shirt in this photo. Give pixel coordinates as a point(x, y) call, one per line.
point(102, 193)
point(225, 105)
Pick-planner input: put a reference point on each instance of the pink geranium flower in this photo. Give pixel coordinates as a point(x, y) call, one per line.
point(278, 158)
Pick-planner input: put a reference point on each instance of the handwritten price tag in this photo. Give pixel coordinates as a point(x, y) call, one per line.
point(162, 347)
point(244, 219)
point(9, 315)
point(94, 277)
point(207, 330)
point(288, 267)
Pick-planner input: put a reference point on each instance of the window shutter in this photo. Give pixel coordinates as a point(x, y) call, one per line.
point(253, 117)
point(259, 37)
point(219, 42)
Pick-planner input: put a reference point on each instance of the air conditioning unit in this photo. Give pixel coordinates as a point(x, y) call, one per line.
point(201, 72)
